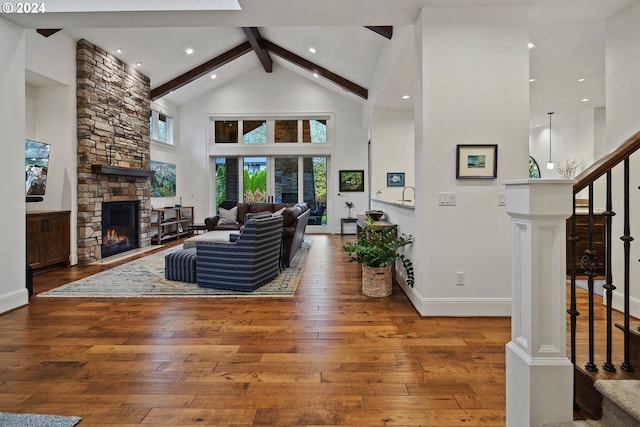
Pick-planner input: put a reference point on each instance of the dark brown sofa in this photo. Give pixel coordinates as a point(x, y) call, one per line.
point(295, 217)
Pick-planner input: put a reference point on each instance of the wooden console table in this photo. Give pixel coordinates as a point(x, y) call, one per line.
point(362, 223)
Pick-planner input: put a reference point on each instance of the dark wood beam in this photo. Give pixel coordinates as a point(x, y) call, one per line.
point(47, 32)
point(254, 37)
point(314, 68)
point(384, 31)
point(201, 70)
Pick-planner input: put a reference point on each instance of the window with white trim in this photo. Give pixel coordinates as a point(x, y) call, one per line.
point(161, 127)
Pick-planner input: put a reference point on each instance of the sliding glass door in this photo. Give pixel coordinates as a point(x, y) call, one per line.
point(286, 179)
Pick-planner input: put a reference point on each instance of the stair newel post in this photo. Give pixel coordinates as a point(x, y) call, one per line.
point(539, 374)
point(608, 286)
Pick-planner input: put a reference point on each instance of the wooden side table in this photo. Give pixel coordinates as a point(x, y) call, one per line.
point(344, 221)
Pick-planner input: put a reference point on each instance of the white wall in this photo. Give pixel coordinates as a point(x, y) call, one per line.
point(161, 152)
point(280, 92)
point(51, 118)
point(12, 122)
point(392, 150)
point(474, 90)
point(572, 139)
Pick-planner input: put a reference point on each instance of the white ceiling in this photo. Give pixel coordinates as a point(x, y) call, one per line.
point(569, 35)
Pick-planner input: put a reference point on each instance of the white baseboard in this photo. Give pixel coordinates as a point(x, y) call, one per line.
point(459, 307)
point(14, 300)
point(618, 304)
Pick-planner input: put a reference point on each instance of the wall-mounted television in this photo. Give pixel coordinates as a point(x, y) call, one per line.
point(36, 162)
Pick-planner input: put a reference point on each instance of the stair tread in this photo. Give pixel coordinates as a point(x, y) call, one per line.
point(624, 393)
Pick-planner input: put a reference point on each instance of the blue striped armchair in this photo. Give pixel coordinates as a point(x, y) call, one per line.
point(245, 264)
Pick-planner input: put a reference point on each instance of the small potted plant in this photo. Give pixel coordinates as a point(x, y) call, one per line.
point(377, 251)
point(349, 205)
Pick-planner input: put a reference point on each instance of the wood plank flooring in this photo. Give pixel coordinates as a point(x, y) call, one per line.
point(327, 356)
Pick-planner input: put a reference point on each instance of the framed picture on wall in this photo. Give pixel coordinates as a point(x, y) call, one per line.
point(352, 180)
point(476, 161)
point(395, 179)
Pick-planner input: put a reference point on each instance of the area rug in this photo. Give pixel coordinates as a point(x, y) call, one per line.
point(36, 420)
point(144, 277)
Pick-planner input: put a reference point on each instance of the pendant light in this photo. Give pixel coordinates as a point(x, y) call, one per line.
point(550, 164)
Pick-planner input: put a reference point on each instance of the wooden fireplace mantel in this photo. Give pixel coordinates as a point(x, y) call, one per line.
point(118, 170)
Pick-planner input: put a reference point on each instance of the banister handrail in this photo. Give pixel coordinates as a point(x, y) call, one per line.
point(606, 163)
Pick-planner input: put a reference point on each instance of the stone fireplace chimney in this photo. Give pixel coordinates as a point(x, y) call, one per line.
point(113, 107)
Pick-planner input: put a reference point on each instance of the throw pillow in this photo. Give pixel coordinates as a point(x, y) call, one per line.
point(278, 212)
point(228, 216)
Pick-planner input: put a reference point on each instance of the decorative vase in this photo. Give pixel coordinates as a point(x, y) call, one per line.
point(376, 281)
point(349, 213)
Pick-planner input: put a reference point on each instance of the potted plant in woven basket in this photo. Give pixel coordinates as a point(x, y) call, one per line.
point(377, 251)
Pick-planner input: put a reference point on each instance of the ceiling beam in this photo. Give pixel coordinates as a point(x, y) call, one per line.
point(254, 37)
point(384, 31)
point(47, 32)
point(201, 70)
point(314, 68)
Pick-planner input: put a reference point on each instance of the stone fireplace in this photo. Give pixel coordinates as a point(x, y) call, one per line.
point(113, 109)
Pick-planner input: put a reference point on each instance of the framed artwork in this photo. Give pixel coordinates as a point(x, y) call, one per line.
point(476, 161)
point(180, 229)
point(352, 180)
point(163, 183)
point(395, 179)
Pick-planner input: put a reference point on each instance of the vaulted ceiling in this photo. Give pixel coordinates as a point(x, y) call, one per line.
point(569, 35)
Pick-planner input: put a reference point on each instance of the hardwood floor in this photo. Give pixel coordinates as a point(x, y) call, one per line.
point(327, 356)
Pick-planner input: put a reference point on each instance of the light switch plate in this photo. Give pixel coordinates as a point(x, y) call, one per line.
point(446, 199)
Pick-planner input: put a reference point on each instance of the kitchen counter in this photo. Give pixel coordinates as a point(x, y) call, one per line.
point(399, 203)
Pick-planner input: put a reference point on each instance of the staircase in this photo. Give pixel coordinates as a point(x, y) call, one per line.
point(605, 342)
point(620, 405)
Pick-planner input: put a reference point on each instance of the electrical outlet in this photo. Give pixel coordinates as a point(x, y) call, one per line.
point(459, 278)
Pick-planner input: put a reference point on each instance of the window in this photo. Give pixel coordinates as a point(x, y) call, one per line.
point(271, 131)
point(314, 131)
point(161, 127)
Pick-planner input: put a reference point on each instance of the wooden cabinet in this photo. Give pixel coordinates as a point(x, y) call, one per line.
point(599, 235)
point(48, 238)
point(170, 223)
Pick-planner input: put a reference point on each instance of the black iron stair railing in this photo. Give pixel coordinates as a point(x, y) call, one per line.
point(591, 259)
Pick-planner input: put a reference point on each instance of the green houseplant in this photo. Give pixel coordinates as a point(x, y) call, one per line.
point(377, 249)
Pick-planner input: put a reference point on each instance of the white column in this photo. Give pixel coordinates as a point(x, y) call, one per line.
point(539, 375)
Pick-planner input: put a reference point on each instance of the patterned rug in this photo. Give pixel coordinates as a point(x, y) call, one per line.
point(144, 277)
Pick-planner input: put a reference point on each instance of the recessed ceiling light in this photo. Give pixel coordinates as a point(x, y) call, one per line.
point(213, 76)
point(585, 100)
point(581, 79)
point(312, 49)
point(188, 51)
point(406, 97)
point(532, 80)
point(316, 75)
point(118, 50)
point(531, 45)
point(138, 64)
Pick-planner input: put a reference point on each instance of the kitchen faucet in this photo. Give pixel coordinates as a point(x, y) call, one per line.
point(403, 190)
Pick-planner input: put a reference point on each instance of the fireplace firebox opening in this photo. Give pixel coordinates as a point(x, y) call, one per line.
point(120, 227)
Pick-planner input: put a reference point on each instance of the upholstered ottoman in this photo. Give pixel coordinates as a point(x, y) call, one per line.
point(181, 265)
